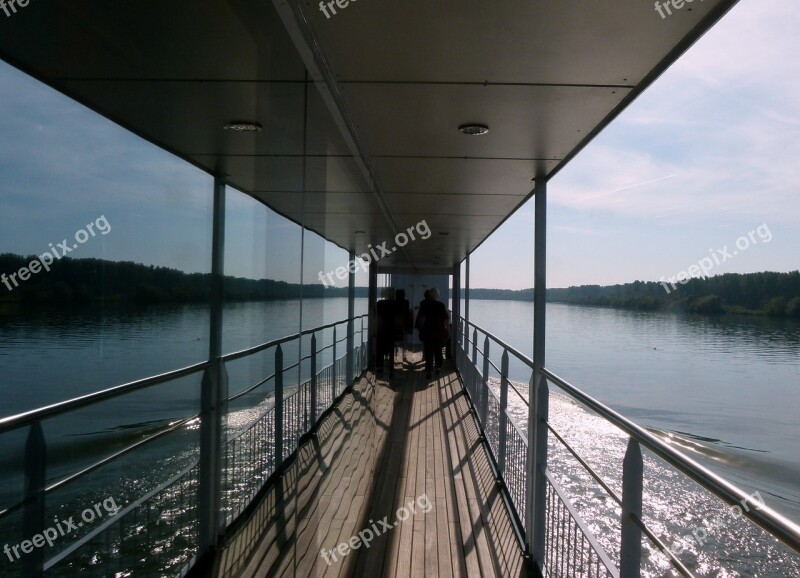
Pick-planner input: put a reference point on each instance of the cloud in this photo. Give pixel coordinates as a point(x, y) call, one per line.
point(718, 133)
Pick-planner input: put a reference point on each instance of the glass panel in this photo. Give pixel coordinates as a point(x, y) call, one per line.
point(104, 261)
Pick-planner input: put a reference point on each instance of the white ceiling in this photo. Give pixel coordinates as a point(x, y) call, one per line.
point(360, 111)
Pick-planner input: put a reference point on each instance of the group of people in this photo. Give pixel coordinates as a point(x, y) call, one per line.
point(395, 321)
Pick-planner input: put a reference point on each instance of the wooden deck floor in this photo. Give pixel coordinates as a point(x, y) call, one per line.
point(399, 463)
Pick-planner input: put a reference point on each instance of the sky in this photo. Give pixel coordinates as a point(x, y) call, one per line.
point(708, 155)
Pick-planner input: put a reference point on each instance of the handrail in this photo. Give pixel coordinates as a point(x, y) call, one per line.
point(13, 422)
point(27, 418)
point(521, 356)
point(34, 418)
point(773, 522)
point(770, 520)
point(257, 348)
point(118, 516)
point(586, 466)
point(17, 421)
point(601, 553)
point(108, 459)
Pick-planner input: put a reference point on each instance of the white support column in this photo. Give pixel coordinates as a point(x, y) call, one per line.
point(456, 307)
point(373, 314)
point(351, 313)
point(214, 391)
point(535, 490)
point(630, 557)
point(466, 293)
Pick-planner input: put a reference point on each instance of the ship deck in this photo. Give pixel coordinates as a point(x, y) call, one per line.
point(386, 444)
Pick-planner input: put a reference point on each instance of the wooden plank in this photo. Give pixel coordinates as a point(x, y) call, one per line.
point(450, 461)
point(375, 454)
point(473, 566)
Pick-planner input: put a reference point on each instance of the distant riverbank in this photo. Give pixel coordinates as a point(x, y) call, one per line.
point(93, 281)
point(90, 281)
point(769, 294)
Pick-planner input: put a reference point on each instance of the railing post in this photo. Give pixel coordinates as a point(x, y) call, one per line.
point(313, 380)
point(466, 291)
point(459, 340)
point(333, 369)
point(278, 406)
point(214, 387)
point(455, 299)
point(362, 357)
point(349, 354)
point(465, 360)
point(34, 511)
point(485, 392)
point(214, 392)
point(503, 422)
point(631, 538)
point(537, 492)
point(351, 312)
point(536, 458)
point(373, 315)
point(474, 369)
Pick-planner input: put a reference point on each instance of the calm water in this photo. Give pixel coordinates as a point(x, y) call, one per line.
point(729, 386)
point(725, 389)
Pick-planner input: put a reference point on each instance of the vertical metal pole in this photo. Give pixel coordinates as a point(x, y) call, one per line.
point(373, 314)
point(466, 292)
point(351, 313)
point(474, 369)
point(503, 421)
point(362, 356)
point(465, 374)
point(456, 306)
point(214, 392)
point(35, 466)
point(536, 459)
point(333, 369)
point(313, 380)
point(278, 406)
point(631, 540)
point(485, 389)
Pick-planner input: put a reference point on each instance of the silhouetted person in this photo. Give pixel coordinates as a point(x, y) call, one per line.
point(418, 322)
point(385, 329)
point(434, 323)
point(402, 320)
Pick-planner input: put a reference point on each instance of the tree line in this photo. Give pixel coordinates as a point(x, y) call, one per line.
point(767, 293)
point(88, 280)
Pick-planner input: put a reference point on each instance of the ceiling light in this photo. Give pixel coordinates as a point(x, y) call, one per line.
point(243, 126)
point(473, 129)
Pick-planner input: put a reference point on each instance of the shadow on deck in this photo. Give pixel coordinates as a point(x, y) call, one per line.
point(397, 462)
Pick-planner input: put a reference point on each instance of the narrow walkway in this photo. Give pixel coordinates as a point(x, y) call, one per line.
point(434, 452)
point(398, 463)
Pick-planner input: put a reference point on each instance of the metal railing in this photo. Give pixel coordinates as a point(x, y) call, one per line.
point(572, 548)
point(155, 531)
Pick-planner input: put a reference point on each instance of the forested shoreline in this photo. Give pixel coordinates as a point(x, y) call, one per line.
point(767, 293)
point(83, 281)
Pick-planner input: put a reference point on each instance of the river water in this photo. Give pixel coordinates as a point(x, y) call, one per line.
point(724, 389)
